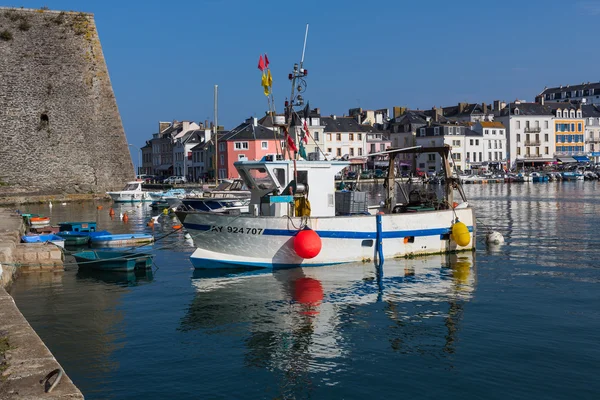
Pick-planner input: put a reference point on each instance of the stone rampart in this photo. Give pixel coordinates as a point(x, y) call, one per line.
point(60, 128)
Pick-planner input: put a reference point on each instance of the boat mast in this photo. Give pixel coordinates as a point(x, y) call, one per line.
point(216, 130)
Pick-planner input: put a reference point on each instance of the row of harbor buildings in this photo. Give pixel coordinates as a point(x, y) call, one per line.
point(562, 125)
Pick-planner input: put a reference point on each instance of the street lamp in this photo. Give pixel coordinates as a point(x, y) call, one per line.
point(139, 166)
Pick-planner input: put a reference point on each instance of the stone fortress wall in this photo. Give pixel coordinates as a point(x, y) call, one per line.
point(60, 128)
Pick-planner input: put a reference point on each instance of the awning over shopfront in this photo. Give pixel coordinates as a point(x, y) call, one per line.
point(533, 160)
point(566, 159)
point(581, 158)
point(164, 167)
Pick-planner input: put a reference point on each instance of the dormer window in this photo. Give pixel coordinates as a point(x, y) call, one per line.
point(578, 113)
point(572, 113)
point(558, 113)
point(436, 131)
point(516, 111)
point(422, 131)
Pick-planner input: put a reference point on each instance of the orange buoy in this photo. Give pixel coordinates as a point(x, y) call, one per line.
point(125, 217)
point(150, 224)
point(176, 226)
point(454, 205)
point(307, 243)
point(111, 212)
point(99, 208)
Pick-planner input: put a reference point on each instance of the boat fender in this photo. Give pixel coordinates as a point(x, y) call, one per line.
point(125, 217)
point(460, 234)
point(111, 212)
point(307, 243)
point(494, 237)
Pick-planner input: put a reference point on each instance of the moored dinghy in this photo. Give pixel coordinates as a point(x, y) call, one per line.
point(125, 239)
point(113, 260)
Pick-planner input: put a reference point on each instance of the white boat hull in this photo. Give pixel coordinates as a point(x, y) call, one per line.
point(230, 241)
point(129, 197)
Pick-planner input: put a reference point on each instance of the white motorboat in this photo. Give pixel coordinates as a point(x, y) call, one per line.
point(132, 192)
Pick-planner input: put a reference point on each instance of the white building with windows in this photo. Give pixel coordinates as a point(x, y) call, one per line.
point(591, 115)
point(467, 146)
point(530, 138)
point(493, 136)
point(588, 92)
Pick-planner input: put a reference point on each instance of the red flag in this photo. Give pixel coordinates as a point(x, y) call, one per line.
point(266, 61)
point(290, 142)
point(261, 63)
point(306, 132)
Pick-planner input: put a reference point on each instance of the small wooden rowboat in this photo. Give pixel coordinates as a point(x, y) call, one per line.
point(127, 239)
point(74, 238)
point(38, 222)
point(113, 260)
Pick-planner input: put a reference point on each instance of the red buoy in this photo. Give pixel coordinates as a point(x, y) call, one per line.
point(307, 243)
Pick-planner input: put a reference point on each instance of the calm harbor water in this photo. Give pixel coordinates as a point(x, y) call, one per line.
point(517, 321)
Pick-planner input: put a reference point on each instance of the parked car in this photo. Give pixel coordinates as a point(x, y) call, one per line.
point(175, 179)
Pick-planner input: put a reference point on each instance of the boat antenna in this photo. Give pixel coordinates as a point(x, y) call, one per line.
point(304, 47)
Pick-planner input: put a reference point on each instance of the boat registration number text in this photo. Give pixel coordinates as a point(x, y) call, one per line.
point(236, 229)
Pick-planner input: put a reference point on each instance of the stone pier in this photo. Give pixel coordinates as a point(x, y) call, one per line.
point(24, 358)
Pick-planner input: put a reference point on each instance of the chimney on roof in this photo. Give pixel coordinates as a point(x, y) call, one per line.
point(461, 107)
point(255, 121)
point(502, 105)
point(185, 125)
point(484, 107)
point(333, 116)
point(496, 106)
point(540, 99)
point(212, 125)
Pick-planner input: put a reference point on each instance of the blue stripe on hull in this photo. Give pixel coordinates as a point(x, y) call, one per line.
point(345, 234)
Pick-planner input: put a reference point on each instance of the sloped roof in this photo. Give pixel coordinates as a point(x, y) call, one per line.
point(590, 111)
point(492, 124)
point(569, 88)
point(341, 124)
point(247, 131)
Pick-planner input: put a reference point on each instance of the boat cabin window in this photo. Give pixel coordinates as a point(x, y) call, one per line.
point(280, 175)
point(303, 177)
point(257, 178)
point(132, 186)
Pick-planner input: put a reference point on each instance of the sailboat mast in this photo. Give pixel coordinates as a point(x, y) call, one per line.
point(215, 131)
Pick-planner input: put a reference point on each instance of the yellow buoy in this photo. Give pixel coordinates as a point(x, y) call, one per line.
point(460, 234)
point(165, 211)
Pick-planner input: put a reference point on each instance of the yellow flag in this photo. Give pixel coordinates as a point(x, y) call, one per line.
point(269, 78)
point(265, 84)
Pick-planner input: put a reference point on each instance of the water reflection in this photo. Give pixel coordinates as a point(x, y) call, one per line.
point(121, 278)
point(301, 321)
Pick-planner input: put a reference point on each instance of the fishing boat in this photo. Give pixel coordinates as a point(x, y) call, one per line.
point(132, 192)
point(113, 260)
point(289, 225)
point(44, 238)
point(125, 239)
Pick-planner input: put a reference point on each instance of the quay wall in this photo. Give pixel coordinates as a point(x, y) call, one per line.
point(24, 358)
point(60, 127)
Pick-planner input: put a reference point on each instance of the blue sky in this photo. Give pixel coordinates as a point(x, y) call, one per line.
point(164, 58)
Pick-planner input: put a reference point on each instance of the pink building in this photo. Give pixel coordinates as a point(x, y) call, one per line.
point(247, 142)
